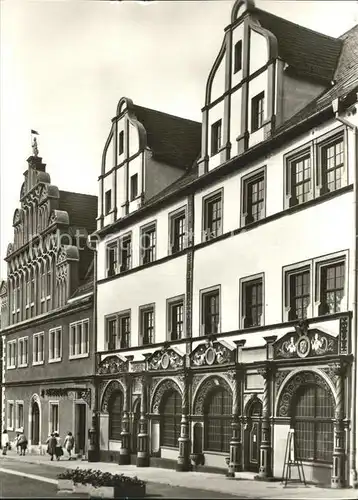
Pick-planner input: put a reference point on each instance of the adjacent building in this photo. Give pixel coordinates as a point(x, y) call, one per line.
point(47, 313)
point(227, 290)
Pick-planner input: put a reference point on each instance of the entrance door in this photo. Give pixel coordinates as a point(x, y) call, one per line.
point(35, 425)
point(135, 428)
point(252, 437)
point(80, 432)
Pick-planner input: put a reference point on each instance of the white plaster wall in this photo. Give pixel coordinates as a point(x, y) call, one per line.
point(214, 114)
point(237, 34)
point(218, 83)
point(121, 190)
point(258, 51)
point(256, 86)
point(301, 236)
point(114, 445)
point(109, 156)
point(215, 460)
point(108, 184)
point(103, 432)
point(235, 120)
point(151, 285)
point(155, 436)
point(135, 167)
point(133, 140)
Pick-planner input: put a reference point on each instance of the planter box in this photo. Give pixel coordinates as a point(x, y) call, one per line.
point(123, 491)
point(65, 485)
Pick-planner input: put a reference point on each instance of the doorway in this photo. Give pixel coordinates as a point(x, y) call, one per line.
point(135, 426)
point(252, 437)
point(80, 427)
point(35, 423)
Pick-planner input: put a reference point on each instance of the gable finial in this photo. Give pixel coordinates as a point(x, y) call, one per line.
point(35, 149)
point(237, 10)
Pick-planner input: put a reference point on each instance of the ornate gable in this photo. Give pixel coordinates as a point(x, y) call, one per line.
point(212, 353)
point(112, 365)
point(304, 342)
point(165, 359)
point(17, 216)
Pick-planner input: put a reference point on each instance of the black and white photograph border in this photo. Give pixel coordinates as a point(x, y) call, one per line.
point(179, 249)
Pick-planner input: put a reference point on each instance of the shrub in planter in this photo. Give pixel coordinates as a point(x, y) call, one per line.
point(97, 482)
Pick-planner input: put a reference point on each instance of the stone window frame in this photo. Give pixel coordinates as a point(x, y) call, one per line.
point(142, 309)
point(72, 344)
point(51, 403)
point(216, 145)
point(243, 282)
point(128, 236)
point(202, 293)
point(256, 123)
point(246, 180)
point(149, 227)
point(10, 403)
point(113, 244)
point(18, 403)
point(206, 200)
point(289, 159)
point(172, 216)
point(173, 301)
point(53, 331)
point(23, 340)
point(8, 357)
point(321, 262)
point(39, 334)
point(287, 272)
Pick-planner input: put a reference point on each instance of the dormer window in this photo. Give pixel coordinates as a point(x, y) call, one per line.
point(120, 142)
point(257, 111)
point(108, 202)
point(238, 56)
point(215, 137)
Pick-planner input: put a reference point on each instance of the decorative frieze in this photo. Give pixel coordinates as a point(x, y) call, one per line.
point(212, 353)
point(165, 359)
point(160, 390)
point(280, 377)
point(112, 365)
point(343, 335)
point(204, 389)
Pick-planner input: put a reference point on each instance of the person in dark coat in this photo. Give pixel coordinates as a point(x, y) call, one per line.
point(51, 445)
point(22, 443)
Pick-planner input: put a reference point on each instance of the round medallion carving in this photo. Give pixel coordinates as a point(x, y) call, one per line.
point(165, 361)
point(303, 346)
point(210, 356)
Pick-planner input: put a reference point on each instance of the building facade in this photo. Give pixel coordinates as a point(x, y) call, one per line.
point(48, 349)
point(227, 295)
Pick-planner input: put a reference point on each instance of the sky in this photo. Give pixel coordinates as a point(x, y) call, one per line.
point(65, 64)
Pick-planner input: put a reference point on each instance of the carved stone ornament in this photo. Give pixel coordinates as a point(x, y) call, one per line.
point(112, 365)
point(137, 366)
point(112, 387)
point(298, 380)
point(10, 249)
point(165, 359)
point(62, 392)
point(212, 353)
point(43, 195)
point(160, 390)
point(280, 377)
point(343, 335)
point(62, 256)
point(302, 345)
point(207, 386)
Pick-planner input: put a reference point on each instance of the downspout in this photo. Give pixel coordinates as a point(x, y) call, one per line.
point(352, 441)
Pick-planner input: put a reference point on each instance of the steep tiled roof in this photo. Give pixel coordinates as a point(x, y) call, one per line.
point(172, 139)
point(81, 208)
point(309, 52)
point(180, 183)
point(346, 81)
point(86, 285)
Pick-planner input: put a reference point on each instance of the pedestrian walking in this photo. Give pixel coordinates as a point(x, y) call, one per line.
point(69, 444)
point(22, 443)
point(5, 442)
point(58, 449)
point(51, 445)
point(17, 443)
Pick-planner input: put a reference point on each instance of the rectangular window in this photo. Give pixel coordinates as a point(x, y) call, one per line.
point(38, 349)
point(299, 295)
point(112, 258)
point(332, 165)
point(111, 334)
point(19, 414)
point(331, 278)
point(55, 344)
point(10, 415)
point(212, 217)
point(107, 201)
point(79, 338)
point(147, 325)
point(11, 354)
point(126, 253)
point(257, 111)
point(176, 319)
point(134, 187)
point(210, 315)
point(121, 142)
point(177, 232)
point(148, 244)
point(54, 418)
point(215, 137)
point(23, 352)
point(253, 187)
point(299, 178)
point(124, 331)
point(238, 56)
point(252, 301)
point(49, 282)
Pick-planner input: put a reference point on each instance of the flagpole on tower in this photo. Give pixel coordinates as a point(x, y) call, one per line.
point(34, 142)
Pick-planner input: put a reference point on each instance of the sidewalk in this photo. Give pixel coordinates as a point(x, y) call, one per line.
point(198, 480)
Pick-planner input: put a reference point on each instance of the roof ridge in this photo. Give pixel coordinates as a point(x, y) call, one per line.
point(167, 114)
point(299, 25)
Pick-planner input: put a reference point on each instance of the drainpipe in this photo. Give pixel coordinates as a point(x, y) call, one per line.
point(354, 128)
